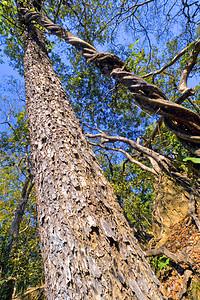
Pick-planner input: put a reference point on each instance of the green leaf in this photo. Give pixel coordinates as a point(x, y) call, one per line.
point(132, 45)
point(195, 160)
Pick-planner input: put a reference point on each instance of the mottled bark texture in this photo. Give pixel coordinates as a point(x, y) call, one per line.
point(170, 207)
point(172, 204)
point(176, 229)
point(88, 248)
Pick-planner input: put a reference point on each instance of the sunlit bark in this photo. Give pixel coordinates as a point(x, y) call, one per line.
point(88, 248)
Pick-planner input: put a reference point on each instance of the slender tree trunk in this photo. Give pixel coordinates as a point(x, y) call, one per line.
point(7, 284)
point(16, 222)
point(88, 248)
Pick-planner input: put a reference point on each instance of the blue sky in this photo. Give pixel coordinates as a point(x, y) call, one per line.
point(8, 90)
point(6, 69)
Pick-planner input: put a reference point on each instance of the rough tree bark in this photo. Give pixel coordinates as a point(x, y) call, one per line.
point(176, 230)
point(88, 248)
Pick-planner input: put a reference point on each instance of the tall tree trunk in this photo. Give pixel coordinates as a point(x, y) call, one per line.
point(88, 248)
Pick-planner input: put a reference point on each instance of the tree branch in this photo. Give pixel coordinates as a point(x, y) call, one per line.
point(162, 161)
point(158, 161)
point(129, 157)
point(171, 62)
point(191, 62)
point(124, 12)
point(148, 96)
point(185, 95)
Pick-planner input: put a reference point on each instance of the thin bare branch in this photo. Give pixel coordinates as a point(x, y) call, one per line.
point(162, 161)
point(171, 62)
point(135, 6)
point(111, 90)
point(57, 11)
point(196, 107)
point(158, 161)
point(190, 64)
point(129, 157)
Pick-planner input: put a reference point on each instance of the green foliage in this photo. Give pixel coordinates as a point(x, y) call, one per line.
point(11, 30)
point(195, 288)
point(159, 263)
point(25, 262)
point(193, 159)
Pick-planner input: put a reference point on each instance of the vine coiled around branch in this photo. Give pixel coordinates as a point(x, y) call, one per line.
point(180, 120)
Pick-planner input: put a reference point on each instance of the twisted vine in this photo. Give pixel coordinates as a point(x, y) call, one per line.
point(180, 120)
